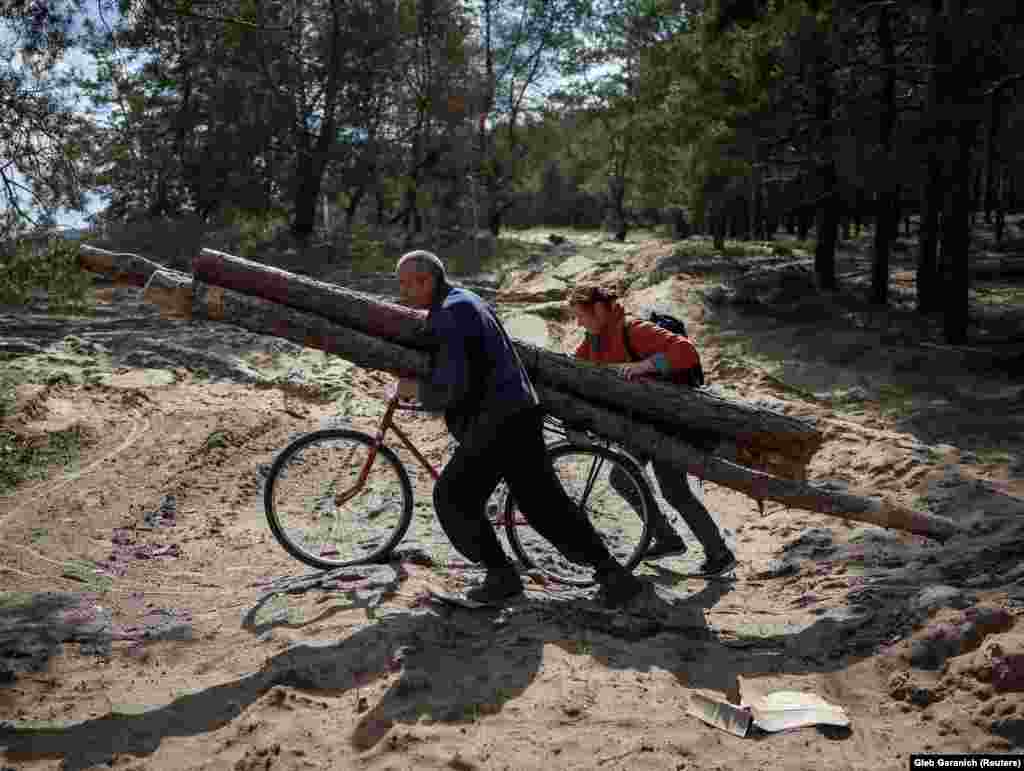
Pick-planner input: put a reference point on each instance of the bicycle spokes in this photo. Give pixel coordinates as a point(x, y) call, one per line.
point(335, 497)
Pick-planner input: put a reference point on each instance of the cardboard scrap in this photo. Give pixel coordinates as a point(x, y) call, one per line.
point(720, 714)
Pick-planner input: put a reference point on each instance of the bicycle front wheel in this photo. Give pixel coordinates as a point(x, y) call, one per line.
point(611, 489)
point(333, 498)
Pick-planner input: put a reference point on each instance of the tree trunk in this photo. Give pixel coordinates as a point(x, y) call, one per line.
point(828, 203)
point(886, 225)
point(171, 292)
point(828, 234)
point(265, 317)
point(799, 494)
point(757, 216)
point(309, 173)
point(958, 113)
point(766, 433)
point(1001, 206)
point(927, 266)
point(123, 267)
point(956, 239)
point(927, 263)
point(887, 215)
point(616, 201)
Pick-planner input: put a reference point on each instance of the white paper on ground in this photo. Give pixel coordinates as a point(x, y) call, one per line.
point(780, 710)
point(728, 717)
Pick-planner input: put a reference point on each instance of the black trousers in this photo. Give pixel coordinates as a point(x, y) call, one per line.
point(513, 451)
point(676, 488)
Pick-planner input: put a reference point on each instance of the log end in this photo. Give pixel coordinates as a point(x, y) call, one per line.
point(174, 303)
point(104, 263)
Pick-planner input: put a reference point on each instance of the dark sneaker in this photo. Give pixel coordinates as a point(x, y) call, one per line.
point(665, 546)
point(618, 587)
point(498, 586)
point(719, 563)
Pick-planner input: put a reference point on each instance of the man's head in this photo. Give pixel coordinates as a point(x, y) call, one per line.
point(594, 306)
point(420, 273)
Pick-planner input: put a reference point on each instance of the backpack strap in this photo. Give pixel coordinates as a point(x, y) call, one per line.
point(625, 339)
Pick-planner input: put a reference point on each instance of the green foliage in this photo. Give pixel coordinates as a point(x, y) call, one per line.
point(9, 381)
point(87, 572)
point(369, 253)
point(254, 229)
point(24, 459)
point(50, 265)
point(217, 439)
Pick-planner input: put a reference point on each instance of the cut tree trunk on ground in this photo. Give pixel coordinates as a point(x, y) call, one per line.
point(124, 268)
point(766, 439)
point(269, 318)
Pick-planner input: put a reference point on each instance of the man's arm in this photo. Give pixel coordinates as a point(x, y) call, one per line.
point(448, 382)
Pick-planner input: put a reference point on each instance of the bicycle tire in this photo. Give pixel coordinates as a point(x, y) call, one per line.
point(624, 529)
point(363, 539)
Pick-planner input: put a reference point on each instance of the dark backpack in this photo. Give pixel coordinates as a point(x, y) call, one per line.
point(694, 377)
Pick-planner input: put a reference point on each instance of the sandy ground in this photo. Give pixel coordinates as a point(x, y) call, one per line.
point(150, 621)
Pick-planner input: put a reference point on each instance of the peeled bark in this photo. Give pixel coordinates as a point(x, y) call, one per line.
point(784, 443)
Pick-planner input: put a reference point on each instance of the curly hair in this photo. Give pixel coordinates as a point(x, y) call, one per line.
point(588, 294)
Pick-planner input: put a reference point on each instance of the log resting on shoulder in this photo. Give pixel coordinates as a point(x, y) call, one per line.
point(349, 308)
point(215, 303)
point(764, 438)
point(264, 317)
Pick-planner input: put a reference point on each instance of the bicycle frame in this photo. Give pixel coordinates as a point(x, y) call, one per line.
point(387, 423)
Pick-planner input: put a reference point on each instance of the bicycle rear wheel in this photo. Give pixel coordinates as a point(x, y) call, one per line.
point(333, 498)
point(616, 497)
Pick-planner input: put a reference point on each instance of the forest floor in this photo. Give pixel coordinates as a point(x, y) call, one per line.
point(148, 619)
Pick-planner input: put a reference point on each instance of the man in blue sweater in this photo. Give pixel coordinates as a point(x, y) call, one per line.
point(491, 408)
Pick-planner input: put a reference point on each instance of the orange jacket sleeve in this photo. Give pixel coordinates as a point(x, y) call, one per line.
point(648, 339)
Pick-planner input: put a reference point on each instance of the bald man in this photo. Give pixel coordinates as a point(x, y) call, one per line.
point(492, 409)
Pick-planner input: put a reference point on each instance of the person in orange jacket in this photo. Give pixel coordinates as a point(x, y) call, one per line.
point(662, 354)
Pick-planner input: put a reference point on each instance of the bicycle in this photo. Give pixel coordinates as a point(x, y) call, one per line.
point(340, 497)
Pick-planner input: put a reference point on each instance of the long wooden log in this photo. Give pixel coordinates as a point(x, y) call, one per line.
point(352, 309)
point(215, 303)
point(798, 494)
point(171, 292)
point(765, 439)
point(123, 267)
point(265, 317)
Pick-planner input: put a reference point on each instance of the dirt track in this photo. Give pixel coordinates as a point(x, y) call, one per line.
point(150, 620)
